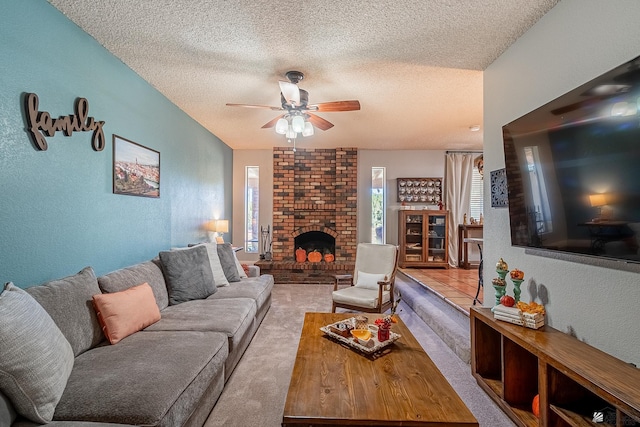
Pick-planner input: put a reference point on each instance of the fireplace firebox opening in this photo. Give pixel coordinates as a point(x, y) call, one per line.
point(315, 241)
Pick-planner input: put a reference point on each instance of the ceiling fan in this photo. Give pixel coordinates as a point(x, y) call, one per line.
point(619, 82)
point(298, 116)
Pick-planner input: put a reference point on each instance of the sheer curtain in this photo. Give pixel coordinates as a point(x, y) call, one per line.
point(457, 185)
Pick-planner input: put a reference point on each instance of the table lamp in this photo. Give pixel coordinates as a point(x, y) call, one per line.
point(218, 227)
point(598, 201)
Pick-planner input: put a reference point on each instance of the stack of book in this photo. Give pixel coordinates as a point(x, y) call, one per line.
point(516, 316)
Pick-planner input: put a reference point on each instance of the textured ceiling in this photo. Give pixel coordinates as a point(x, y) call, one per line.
point(415, 66)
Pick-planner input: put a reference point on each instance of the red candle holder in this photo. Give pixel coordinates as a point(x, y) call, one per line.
point(383, 333)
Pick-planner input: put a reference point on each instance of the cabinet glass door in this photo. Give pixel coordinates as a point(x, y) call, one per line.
point(413, 239)
point(436, 238)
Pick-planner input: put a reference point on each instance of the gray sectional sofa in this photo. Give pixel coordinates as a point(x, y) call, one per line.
point(170, 373)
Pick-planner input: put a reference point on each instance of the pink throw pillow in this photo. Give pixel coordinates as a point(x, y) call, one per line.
point(124, 313)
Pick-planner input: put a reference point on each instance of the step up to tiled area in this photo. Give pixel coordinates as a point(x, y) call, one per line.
point(449, 322)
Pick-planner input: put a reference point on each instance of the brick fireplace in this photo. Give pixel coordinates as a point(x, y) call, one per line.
point(314, 200)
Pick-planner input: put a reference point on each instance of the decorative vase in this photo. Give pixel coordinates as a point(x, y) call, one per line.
point(516, 289)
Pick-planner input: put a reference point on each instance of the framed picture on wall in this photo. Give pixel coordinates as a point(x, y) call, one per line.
point(136, 169)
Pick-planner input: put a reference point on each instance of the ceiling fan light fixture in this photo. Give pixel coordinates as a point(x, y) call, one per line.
point(297, 124)
point(296, 117)
point(281, 126)
point(308, 129)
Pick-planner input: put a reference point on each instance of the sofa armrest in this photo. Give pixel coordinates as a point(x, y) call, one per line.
point(254, 271)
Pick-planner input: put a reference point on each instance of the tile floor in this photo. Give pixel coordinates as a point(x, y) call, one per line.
point(455, 285)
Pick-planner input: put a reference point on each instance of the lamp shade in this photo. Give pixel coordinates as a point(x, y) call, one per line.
point(297, 124)
point(281, 126)
point(218, 226)
point(620, 109)
point(597, 200)
point(308, 129)
point(290, 133)
point(222, 226)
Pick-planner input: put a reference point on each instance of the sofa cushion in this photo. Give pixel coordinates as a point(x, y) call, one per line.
point(125, 278)
point(233, 317)
point(35, 357)
point(126, 312)
point(149, 378)
point(359, 296)
point(188, 274)
point(68, 302)
point(228, 261)
point(216, 266)
point(256, 288)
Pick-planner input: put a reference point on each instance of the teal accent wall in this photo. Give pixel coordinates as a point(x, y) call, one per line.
point(58, 213)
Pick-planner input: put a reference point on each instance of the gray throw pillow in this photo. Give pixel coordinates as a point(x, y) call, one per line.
point(35, 357)
point(69, 303)
point(188, 274)
point(228, 262)
point(214, 260)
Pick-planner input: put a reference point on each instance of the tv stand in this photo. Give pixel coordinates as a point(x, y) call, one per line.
point(512, 364)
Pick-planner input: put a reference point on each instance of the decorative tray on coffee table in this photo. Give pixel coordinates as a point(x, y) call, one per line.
point(371, 346)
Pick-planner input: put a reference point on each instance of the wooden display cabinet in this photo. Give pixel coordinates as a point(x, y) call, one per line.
point(422, 236)
point(575, 382)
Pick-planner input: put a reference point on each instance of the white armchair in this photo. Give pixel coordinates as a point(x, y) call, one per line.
point(371, 284)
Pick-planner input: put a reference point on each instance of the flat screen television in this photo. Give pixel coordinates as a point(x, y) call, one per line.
point(573, 170)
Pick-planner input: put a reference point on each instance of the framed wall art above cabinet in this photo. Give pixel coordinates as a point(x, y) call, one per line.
point(420, 190)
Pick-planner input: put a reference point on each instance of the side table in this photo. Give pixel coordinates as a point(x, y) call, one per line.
point(463, 250)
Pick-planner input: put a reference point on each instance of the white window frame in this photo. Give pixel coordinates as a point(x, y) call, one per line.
point(251, 210)
point(383, 171)
point(476, 198)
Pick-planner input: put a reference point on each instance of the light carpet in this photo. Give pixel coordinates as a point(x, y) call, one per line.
point(256, 392)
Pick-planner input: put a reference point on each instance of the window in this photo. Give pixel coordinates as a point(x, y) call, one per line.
point(541, 215)
point(476, 204)
point(378, 205)
point(251, 202)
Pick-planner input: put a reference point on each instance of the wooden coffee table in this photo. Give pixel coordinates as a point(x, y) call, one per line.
point(334, 384)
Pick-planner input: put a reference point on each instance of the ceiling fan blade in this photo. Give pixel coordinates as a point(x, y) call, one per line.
point(268, 107)
point(319, 122)
point(273, 122)
point(326, 107)
point(290, 92)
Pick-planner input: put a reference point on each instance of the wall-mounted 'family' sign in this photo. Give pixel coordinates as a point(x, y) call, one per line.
point(41, 124)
